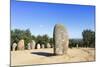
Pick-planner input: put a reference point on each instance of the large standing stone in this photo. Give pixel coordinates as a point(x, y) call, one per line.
point(21, 45)
point(38, 46)
point(14, 46)
point(29, 46)
point(61, 40)
point(32, 43)
point(48, 45)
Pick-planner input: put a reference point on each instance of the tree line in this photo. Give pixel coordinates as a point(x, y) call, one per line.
point(88, 38)
point(18, 34)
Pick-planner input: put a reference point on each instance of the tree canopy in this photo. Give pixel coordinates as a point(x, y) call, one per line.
point(88, 39)
point(18, 34)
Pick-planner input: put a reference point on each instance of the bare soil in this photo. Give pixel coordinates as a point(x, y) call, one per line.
point(45, 56)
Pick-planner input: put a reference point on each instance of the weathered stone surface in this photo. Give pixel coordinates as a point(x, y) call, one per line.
point(61, 40)
point(48, 45)
point(32, 43)
point(38, 46)
point(29, 46)
point(14, 46)
point(21, 45)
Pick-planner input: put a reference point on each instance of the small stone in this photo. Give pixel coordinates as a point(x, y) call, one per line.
point(14, 46)
point(48, 45)
point(43, 46)
point(29, 46)
point(76, 45)
point(32, 43)
point(38, 46)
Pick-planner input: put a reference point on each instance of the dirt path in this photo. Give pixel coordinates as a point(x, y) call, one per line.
point(45, 56)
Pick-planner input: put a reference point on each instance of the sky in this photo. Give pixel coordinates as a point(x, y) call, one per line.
point(40, 18)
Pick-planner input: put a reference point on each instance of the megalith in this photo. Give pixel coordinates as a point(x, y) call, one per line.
point(28, 46)
point(43, 46)
point(38, 46)
point(48, 45)
point(32, 43)
point(14, 46)
point(61, 41)
point(21, 45)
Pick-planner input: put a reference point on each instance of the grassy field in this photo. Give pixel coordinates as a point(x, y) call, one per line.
point(45, 56)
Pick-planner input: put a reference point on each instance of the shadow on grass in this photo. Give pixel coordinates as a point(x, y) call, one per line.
point(43, 54)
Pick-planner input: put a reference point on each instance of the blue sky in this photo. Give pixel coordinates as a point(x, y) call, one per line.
point(40, 18)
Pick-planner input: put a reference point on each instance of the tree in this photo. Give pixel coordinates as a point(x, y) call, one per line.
point(74, 42)
point(33, 37)
point(18, 34)
point(88, 38)
point(27, 37)
point(51, 42)
point(46, 39)
point(39, 39)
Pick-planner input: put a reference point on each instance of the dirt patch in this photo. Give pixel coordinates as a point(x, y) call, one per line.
point(45, 56)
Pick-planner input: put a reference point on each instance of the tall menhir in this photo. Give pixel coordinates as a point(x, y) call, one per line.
point(61, 41)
